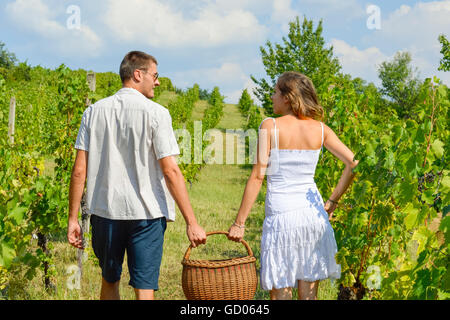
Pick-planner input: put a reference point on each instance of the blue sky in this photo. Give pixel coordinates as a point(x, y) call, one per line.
point(216, 43)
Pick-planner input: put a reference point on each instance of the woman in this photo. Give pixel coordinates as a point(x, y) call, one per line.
point(297, 244)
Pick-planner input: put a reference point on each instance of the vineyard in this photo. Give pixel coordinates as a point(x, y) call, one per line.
point(392, 225)
point(37, 157)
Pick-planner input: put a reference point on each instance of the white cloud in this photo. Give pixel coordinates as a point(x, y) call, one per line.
point(160, 24)
point(36, 17)
point(359, 63)
point(283, 13)
point(416, 29)
point(423, 23)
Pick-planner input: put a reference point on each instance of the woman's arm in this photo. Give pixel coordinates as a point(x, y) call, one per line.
point(343, 153)
point(254, 182)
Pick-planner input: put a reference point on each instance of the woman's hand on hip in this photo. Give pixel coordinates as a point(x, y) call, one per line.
point(329, 208)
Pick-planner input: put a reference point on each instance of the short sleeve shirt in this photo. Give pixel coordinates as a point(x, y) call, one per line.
point(125, 136)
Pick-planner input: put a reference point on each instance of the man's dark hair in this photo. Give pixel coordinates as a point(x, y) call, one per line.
point(132, 61)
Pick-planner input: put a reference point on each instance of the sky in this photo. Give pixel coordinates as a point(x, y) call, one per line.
point(217, 42)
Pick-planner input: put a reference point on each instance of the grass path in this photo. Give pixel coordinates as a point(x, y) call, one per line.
point(215, 198)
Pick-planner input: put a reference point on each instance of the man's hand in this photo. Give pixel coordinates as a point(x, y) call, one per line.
point(77, 181)
point(195, 234)
point(74, 234)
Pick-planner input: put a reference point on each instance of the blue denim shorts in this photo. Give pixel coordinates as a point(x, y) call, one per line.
point(141, 239)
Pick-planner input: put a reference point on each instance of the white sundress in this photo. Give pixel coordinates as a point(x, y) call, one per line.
point(298, 240)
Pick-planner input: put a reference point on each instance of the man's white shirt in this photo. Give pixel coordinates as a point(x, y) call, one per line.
point(125, 136)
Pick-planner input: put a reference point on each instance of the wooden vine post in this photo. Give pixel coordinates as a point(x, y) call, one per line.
point(12, 119)
point(85, 216)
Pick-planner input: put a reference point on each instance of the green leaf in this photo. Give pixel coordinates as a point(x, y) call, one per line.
point(40, 186)
point(18, 214)
point(422, 236)
point(445, 228)
point(438, 148)
point(428, 196)
point(411, 217)
point(361, 190)
point(383, 216)
point(406, 192)
point(412, 165)
point(420, 135)
point(445, 183)
point(386, 140)
point(442, 295)
point(7, 254)
point(390, 160)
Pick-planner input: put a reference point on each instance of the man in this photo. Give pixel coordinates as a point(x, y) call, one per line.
point(129, 144)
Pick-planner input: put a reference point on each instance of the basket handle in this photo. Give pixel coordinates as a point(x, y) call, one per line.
point(249, 250)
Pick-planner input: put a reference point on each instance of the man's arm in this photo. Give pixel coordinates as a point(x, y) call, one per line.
point(77, 182)
point(177, 187)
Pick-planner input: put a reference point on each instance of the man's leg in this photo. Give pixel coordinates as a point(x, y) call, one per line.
point(144, 253)
point(110, 291)
point(109, 245)
point(144, 294)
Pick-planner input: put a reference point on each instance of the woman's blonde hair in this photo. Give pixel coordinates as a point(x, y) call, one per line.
point(300, 92)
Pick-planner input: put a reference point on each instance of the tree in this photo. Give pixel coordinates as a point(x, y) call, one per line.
point(303, 50)
point(245, 101)
point(400, 83)
point(7, 59)
point(445, 61)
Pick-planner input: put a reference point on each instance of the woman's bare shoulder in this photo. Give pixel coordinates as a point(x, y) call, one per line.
point(327, 131)
point(267, 123)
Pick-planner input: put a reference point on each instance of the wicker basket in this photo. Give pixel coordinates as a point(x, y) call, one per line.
point(230, 279)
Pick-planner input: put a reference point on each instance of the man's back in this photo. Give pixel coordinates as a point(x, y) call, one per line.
point(125, 148)
point(125, 136)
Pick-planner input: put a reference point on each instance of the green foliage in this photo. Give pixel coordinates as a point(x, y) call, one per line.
point(245, 102)
point(204, 94)
point(394, 218)
point(181, 112)
point(107, 84)
point(396, 191)
point(400, 83)
point(7, 59)
point(213, 114)
point(165, 85)
point(445, 61)
point(303, 50)
point(22, 72)
point(250, 111)
point(48, 111)
point(181, 108)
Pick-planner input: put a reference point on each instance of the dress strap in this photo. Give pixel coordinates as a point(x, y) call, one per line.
point(321, 124)
point(275, 133)
point(275, 130)
point(321, 147)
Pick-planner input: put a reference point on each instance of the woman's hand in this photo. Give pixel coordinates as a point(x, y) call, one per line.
point(235, 233)
point(330, 207)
